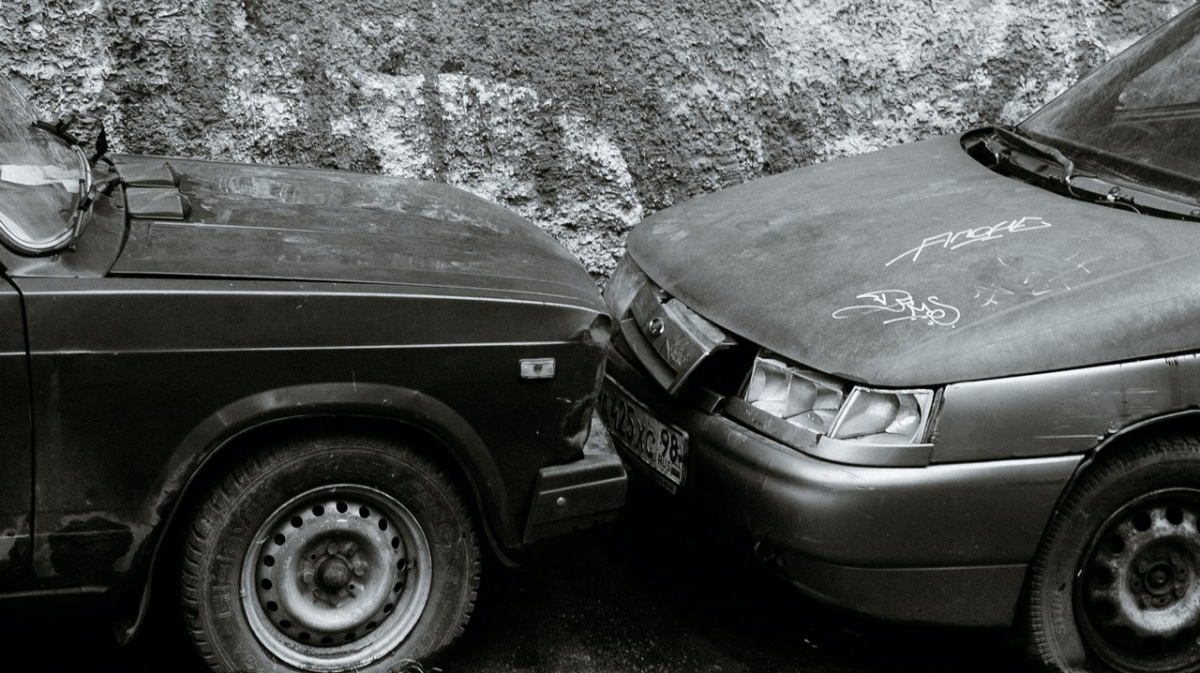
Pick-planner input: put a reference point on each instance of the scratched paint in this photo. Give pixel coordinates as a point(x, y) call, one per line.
point(1015, 278)
point(1072, 411)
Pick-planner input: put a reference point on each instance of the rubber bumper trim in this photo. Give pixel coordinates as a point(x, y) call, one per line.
point(581, 493)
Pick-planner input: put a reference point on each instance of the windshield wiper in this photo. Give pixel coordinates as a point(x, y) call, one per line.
point(1029, 144)
point(60, 129)
point(1000, 145)
point(1089, 186)
point(1139, 201)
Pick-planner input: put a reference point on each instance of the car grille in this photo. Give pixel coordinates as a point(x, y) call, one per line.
point(681, 349)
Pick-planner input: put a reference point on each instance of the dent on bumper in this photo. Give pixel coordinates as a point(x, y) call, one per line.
point(582, 493)
point(939, 544)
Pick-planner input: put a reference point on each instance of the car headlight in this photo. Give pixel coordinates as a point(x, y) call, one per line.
point(623, 286)
point(802, 398)
point(832, 419)
point(884, 416)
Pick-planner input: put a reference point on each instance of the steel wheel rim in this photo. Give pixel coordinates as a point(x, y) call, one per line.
point(336, 577)
point(1139, 586)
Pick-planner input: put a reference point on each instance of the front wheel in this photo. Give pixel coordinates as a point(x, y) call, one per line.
point(1116, 583)
point(347, 554)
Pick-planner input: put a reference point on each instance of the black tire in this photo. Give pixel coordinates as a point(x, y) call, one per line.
point(1115, 585)
point(329, 554)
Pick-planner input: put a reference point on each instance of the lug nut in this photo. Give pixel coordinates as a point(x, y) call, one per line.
point(308, 577)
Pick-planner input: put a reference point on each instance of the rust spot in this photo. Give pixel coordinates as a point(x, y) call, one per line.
point(89, 549)
point(14, 553)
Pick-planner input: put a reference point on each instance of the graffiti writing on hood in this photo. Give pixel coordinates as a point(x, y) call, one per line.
point(951, 240)
point(899, 305)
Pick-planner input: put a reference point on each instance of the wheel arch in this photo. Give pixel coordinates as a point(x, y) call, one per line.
point(1126, 438)
point(1183, 421)
point(1158, 436)
point(385, 411)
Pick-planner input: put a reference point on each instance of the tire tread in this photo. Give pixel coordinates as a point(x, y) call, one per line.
point(1109, 466)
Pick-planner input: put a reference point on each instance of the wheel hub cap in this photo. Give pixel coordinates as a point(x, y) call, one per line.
point(334, 574)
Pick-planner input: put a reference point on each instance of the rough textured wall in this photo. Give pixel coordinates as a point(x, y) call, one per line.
point(583, 115)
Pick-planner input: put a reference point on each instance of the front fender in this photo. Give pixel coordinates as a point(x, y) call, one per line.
point(377, 400)
point(219, 433)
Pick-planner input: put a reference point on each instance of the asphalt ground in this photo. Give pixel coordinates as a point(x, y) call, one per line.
point(651, 592)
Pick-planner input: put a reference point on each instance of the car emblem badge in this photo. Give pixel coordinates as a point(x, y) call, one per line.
point(655, 327)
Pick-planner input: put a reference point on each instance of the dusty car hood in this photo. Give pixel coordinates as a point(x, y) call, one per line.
point(271, 223)
point(918, 266)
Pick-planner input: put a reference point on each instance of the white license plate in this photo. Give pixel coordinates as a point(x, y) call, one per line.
point(660, 446)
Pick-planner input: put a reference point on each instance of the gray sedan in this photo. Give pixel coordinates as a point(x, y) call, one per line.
point(950, 382)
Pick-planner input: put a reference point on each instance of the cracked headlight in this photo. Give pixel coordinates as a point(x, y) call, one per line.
point(805, 399)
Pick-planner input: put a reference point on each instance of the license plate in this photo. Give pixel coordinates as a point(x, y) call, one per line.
point(660, 446)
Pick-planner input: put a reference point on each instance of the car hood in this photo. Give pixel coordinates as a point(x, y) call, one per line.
point(271, 223)
point(918, 266)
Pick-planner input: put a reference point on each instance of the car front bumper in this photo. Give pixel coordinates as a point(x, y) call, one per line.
point(581, 493)
point(943, 544)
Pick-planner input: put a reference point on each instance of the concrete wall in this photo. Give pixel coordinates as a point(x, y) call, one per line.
point(582, 115)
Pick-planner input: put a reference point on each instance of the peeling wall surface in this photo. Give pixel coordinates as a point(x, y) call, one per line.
point(582, 115)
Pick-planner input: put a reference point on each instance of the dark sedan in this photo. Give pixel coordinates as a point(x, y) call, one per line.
point(304, 400)
point(950, 382)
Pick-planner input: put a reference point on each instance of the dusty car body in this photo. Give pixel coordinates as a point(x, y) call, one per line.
point(214, 369)
point(950, 382)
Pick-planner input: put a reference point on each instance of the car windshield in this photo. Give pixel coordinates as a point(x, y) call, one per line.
point(1136, 118)
point(42, 179)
